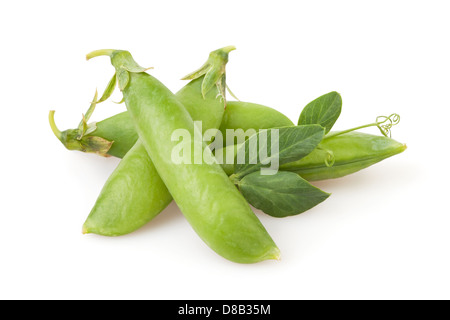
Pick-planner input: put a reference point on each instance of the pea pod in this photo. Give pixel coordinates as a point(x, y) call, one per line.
point(134, 193)
point(132, 196)
point(120, 130)
point(351, 152)
point(245, 115)
point(207, 198)
point(119, 134)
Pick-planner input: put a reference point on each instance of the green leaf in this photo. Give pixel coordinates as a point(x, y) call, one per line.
point(198, 73)
point(135, 68)
point(282, 194)
point(325, 110)
point(121, 101)
point(123, 77)
point(122, 59)
point(109, 89)
point(260, 149)
point(212, 77)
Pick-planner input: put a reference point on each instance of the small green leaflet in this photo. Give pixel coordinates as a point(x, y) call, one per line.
point(124, 60)
point(123, 77)
point(214, 71)
point(294, 143)
point(109, 89)
point(282, 194)
point(325, 110)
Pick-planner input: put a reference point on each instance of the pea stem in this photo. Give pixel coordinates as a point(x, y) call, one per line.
point(383, 123)
point(83, 124)
point(97, 53)
point(51, 119)
point(334, 134)
point(234, 178)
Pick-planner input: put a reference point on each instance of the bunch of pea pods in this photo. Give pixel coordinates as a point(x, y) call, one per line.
point(215, 184)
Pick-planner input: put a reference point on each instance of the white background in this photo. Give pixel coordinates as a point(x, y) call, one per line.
point(384, 232)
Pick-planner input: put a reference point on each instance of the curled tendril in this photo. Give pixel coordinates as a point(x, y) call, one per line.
point(385, 124)
point(329, 157)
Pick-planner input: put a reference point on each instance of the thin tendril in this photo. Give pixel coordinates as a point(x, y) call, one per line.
point(385, 124)
point(82, 128)
point(330, 159)
point(231, 93)
point(83, 123)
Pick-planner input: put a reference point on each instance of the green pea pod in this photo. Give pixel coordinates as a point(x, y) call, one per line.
point(120, 130)
point(132, 196)
point(335, 157)
point(119, 135)
point(350, 152)
point(115, 136)
point(134, 193)
point(245, 115)
point(208, 199)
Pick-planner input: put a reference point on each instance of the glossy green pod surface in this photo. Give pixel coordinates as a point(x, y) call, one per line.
point(210, 202)
point(246, 115)
point(351, 152)
point(134, 194)
point(119, 129)
point(126, 201)
point(213, 206)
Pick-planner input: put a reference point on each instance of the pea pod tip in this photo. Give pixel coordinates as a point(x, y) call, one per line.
point(84, 229)
point(274, 254)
